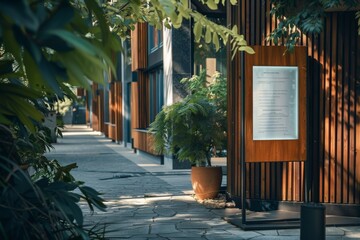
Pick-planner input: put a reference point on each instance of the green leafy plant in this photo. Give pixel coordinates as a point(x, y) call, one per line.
point(297, 17)
point(124, 14)
point(194, 127)
point(43, 205)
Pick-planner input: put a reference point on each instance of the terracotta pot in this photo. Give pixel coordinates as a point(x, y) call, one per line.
point(206, 181)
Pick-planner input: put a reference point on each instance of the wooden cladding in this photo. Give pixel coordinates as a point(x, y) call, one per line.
point(339, 62)
point(95, 108)
point(143, 141)
point(333, 79)
point(115, 131)
point(134, 106)
point(275, 150)
point(139, 47)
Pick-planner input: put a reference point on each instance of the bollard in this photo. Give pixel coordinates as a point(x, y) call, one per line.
point(312, 221)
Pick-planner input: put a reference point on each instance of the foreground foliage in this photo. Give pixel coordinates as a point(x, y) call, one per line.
point(46, 47)
point(42, 205)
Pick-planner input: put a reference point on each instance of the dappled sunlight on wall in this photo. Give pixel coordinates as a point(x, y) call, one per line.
point(334, 108)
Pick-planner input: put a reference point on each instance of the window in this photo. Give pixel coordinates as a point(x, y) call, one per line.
point(156, 96)
point(206, 57)
point(154, 38)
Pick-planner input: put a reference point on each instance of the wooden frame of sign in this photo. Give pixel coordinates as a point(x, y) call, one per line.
point(275, 105)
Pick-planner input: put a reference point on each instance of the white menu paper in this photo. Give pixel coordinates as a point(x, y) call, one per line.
point(275, 103)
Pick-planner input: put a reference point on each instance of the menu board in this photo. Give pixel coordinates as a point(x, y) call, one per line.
point(275, 103)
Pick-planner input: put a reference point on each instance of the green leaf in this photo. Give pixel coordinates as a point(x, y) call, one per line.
point(61, 16)
point(197, 31)
point(20, 12)
point(74, 41)
point(233, 2)
point(211, 4)
point(3, 119)
point(104, 26)
point(233, 54)
point(208, 35)
point(185, 3)
point(84, 46)
point(235, 29)
point(216, 41)
point(80, 65)
point(178, 22)
point(247, 49)
point(32, 72)
point(12, 46)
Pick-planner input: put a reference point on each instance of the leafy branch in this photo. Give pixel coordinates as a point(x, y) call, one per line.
point(171, 13)
point(297, 17)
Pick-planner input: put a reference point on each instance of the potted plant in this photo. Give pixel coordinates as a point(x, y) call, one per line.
point(192, 130)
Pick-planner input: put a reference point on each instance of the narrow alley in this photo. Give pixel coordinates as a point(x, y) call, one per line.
point(147, 201)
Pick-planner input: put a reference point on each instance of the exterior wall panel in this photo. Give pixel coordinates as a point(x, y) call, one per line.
point(139, 47)
point(334, 78)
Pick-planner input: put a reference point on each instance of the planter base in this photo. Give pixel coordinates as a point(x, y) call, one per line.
point(206, 181)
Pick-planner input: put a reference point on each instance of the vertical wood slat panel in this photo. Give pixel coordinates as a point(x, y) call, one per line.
point(139, 47)
point(143, 100)
point(322, 79)
point(357, 127)
point(351, 42)
point(345, 98)
point(118, 112)
point(267, 181)
point(333, 110)
point(339, 117)
point(263, 181)
point(95, 107)
point(250, 186)
point(233, 87)
point(284, 195)
point(342, 140)
point(336, 52)
point(101, 111)
point(87, 111)
point(134, 106)
point(327, 117)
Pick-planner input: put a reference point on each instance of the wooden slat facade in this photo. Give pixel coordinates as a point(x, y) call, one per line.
point(95, 108)
point(139, 47)
point(114, 126)
point(334, 112)
point(139, 102)
point(140, 90)
point(118, 118)
point(134, 108)
point(140, 117)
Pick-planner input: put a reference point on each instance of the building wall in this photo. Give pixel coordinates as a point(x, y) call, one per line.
point(334, 113)
point(175, 59)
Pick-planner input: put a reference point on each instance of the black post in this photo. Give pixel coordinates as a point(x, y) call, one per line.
point(312, 220)
point(242, 144)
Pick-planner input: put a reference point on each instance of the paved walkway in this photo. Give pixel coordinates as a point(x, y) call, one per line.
point(147, 201)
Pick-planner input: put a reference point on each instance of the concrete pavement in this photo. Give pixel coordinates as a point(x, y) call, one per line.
point(147, 201)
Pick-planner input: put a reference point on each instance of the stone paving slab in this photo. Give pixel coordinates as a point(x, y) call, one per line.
point(147, 201)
